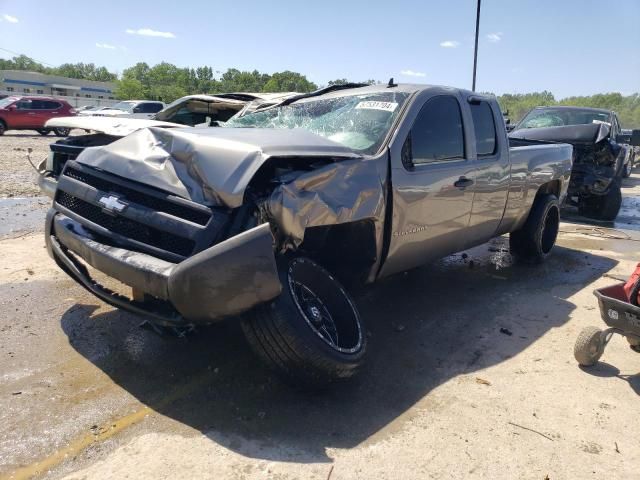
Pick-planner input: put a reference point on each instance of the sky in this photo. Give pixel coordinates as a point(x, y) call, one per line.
point(569, 47)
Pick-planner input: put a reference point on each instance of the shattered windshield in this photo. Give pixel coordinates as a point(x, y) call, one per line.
point(560, 117)
point(360, 122)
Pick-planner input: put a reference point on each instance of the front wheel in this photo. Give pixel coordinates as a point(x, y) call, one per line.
point(602, 207)
point(61, 132)
point(626, 173)
point(43, 131)
point(311, 334)
point(536, 238)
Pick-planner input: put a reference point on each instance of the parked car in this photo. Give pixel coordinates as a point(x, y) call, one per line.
point(599, 155)
point(258, 221)
point(31, 113)
point(130, 109)
point(192, 110)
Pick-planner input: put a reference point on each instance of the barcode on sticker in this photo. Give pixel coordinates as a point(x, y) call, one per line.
point(385, 106)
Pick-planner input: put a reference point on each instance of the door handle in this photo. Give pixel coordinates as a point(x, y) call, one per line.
point(463, 182)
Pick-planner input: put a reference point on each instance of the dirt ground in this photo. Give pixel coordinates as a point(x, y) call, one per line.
point(18, 178)
point(470, 375)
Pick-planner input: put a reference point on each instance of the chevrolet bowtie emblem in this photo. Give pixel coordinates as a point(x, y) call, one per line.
point(112, 204)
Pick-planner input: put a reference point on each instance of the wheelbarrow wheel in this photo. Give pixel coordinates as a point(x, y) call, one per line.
point(589, 346)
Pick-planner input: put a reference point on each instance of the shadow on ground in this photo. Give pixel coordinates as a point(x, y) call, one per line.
point(427, 327)
point(604, 369)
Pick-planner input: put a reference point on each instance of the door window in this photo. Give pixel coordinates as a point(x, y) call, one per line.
point(150, 107)
point(437, 134)
point(24, 105)
point(485, 128)
point(50, 105)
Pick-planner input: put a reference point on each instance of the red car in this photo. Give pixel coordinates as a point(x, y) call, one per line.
point(31, 113)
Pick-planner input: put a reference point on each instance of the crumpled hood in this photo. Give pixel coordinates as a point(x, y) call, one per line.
point(117, 127)
point(574, 134)
point(212, 166)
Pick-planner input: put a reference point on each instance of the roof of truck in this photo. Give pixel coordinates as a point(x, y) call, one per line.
point(385, 88)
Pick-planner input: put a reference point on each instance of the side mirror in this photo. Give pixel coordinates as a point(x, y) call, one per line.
point(510, 127)
point(12, 108)
point(137, 110)
point(629, 139)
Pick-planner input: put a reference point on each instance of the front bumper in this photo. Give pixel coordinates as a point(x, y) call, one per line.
point(47, 183)
point(221, 281)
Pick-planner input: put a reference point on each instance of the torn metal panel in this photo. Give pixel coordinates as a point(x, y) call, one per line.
point(208, 166)
point(343, 192)
point(573, 134)
point(597, 158)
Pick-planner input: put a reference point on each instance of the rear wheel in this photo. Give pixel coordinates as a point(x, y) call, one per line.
point(535, 240)
point(602, 207)
point(62, 132)
point(43, 131)
point(311, 334)
point(3, 127)
point(589, 346)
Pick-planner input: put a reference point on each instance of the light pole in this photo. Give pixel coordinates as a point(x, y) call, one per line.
point(475, 51)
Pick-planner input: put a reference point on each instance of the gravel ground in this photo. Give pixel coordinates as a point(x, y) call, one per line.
point(18, 178)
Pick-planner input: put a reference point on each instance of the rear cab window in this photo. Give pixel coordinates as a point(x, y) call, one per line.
point(484, 126)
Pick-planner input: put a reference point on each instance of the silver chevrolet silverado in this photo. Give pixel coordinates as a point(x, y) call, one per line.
point(265, 219)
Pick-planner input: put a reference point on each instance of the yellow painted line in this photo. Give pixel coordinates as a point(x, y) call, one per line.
point(103, 433)
point(77, 446)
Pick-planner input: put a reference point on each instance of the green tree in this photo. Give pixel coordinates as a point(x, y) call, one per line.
point(130, 89)
point(289, 82)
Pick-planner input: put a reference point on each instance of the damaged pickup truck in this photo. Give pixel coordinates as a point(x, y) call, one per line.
point(265, 220)
point(599, 149)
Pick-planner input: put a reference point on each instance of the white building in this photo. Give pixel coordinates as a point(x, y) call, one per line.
point(76, 91)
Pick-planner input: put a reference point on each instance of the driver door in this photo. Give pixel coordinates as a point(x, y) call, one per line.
point(432, 183)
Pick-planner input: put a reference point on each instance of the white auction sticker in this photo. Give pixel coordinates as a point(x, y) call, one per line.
point(385, 106)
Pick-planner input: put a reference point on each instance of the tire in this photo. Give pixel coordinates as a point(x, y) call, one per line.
point(3, 127)
point(602, 207)
point(589, 346)
point(535, 240)
point(311, 334)
point(626, 172)
point(61, 132)
point(43, 131)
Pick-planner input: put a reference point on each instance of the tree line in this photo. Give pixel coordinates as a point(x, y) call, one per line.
point(85, 71)
point(627, 106)
point(168, 82)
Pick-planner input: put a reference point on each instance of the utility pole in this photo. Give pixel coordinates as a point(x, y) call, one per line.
point(475, 51)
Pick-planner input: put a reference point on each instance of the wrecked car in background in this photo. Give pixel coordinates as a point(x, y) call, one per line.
point(266, 219)
point(192, 110)
point(600, 157)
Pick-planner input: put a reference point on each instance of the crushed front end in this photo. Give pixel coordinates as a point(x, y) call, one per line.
point(177, 256)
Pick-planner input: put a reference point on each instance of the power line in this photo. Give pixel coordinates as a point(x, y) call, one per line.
point(34, 59)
